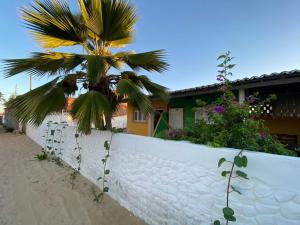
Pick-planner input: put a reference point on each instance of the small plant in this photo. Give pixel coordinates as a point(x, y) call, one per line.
point(103, 178)
point(118, 130)
point(240, 161)
point(42, 156)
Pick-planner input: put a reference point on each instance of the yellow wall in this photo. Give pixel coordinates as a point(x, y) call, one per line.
point(141, 128)
point(289, 126)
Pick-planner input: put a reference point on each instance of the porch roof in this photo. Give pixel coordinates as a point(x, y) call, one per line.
point(284, 77)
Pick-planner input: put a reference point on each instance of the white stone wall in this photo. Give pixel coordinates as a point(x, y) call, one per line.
point(178, 183)
point(119, 121)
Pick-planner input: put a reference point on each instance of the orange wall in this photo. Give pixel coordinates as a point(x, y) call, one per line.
point(289, 126)
point(141, 128)
point(159, 104)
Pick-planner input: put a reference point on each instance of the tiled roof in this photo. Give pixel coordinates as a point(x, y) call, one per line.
point(265, 79)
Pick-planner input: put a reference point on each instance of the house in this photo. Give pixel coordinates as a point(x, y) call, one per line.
point(9, 119)
point(282, 117)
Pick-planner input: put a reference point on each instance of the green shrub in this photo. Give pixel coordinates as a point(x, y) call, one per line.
point(41, 157)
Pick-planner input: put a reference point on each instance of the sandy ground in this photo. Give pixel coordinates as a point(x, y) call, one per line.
point(39, 193)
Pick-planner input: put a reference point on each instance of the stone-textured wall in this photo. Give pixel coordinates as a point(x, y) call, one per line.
point(178, 183)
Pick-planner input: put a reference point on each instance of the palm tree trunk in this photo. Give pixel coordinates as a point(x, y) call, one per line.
point(108, 124)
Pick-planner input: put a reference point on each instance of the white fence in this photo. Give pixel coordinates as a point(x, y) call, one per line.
point(178, 183)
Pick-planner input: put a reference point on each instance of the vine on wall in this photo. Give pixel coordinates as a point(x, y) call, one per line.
point(53, 140)
point(53, 146)
point(106, 172)
point(76, 170)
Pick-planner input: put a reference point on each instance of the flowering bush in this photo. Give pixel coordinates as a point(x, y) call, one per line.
point(174, 134)
point(231, 124)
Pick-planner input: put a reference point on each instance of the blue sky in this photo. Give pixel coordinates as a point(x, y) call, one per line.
point(264, 36)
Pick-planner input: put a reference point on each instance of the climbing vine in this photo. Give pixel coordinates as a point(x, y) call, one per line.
point(53, 146)
point(240, 161)
point(106, 172)
point(76, 170)
point(53, 140)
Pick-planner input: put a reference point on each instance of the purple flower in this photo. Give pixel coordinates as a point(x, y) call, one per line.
point(251, 99)
point(172, 133)
point(262, 135)
point(219, 109)
point(176, 133)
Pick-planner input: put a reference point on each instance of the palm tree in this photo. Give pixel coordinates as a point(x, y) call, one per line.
point(100, 28)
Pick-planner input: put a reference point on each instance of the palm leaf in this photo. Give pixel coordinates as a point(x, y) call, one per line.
point(119, 18)
point(43, 63)
point(150, 61)
point(91, 11)
point(53, 24)
point(135, 96)
point(90, 108)
point(155, 89)
point(98, 65)
point(144, 82)
point(35, 105)
point(95, 66)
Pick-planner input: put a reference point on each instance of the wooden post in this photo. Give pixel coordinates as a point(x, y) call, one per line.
point(30, 83)
point(241, 95)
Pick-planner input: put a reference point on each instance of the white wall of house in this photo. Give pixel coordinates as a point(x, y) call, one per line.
point(117, 121)
point(178, 183)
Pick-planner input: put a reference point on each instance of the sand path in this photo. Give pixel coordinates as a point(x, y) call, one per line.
point(39, 192)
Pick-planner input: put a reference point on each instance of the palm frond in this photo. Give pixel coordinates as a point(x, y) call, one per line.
point(119, 18)
point(43, 64)
point(35, 105)
point(143, 81)
point(135, 96)
point(91, 11)
point(98, 65)
point(150, 61)
point(88, 109)
point(95, 66)
point(154, 88)
point(53, 24)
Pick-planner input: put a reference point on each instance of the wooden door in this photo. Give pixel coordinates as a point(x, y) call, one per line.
point(176, 118)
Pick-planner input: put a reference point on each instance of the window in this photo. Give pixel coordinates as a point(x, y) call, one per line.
point(138, 116)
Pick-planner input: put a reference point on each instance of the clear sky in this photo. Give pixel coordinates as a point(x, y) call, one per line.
point(263, 35)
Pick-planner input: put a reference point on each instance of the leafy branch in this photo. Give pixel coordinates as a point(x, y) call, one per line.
point(240, 160)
